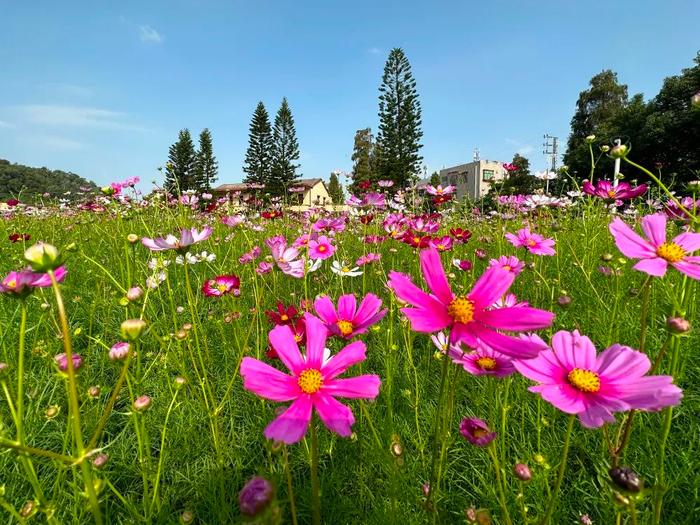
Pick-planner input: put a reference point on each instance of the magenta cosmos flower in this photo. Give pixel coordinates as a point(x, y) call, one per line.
point(476, 431)
point(469, 317)
point(22, 283)
point(484, 360)
point(222, 285)
point(576, 381)
point(656, 253)
point(313, 383)
point(321, 248)
point(532, 242)
point(349, 320)
point(605, 190)
point(170, 242)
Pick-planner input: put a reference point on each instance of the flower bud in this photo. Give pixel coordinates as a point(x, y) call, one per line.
point(100, 460)
point(619, 151)
point(255, 496)
point(585, 519)
point(426, 489)
point(3, 369)
point(52, 412)
point(119, 351)
point(94, 392)
point(606, 257)
point(695, 101)
point(564, 301)
point(132, 238)
point(626, 479)
point(62, 362)
point(186, 517)
point(678, 325)
point(42, 257)
point(522, 472)
point(180, 382)
point(590, 139)
point(134, 294)
point(141, 403)
point(28, 509)
point(131, 329)
point(605, 148)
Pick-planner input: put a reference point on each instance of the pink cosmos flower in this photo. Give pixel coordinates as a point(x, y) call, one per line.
point(532, 242)
point(222, 285)
point(170, 242)
point(439, 191)
point(22, 283)
point(476, 431)
point(576, 381)
point(321, 248)
point(263, 268)
point(442, 244)
point(286, 257)
point(484, 360)
point(468, 316)
point(656, 253)
point(605, 190)
point(367, 259)
point(233, 220)
point(349, 320)
point(509, 263)
point(313, 383)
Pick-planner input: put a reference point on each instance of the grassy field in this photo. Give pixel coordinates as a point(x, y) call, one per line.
point(189, 454)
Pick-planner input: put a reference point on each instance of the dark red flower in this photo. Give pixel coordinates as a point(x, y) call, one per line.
point(441, 199)
point(284, 314)
point(299, 330)
point(366, 218)
point(16, 237)
point(415, 239)
point(12, 203)
point(364, 185)
point(274, 214)
point(460, 235)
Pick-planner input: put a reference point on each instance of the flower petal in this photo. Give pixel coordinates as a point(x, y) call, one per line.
point(316, 335)
point(490, 287)
point(291, 425)
point(268, 382)
point(434, 274)
point(282, 340)
point(340, 362)
point(516, 319)
point(326, 310)
point(364, 386)
point(574, 350)
point(335, 415)
point(654, 227)
point(655, 266)
point(628, 242)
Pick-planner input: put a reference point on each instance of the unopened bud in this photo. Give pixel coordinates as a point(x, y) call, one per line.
point(619, 151)
point(186, 517)
point(522, 472)
point(180, 382)
point(255, 496)
point(678, 325)
point(605, 148)
point(131, 329)
point(119, 351)
point(134, 294)
point(590, 139)
point(626, 479)
point(607, 257)
point(42, 257)
point(100, 460)
point(132, 238)
point(62, 362)
point(3, 369)
point(695, 101)
point(94, 391)
point(564, 301)
point(141, 403)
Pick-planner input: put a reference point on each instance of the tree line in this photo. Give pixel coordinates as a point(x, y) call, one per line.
point(30, 184)
point(190, 169)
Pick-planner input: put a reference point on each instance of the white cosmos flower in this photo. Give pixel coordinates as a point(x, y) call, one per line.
point(313, 265)
point(344, 270)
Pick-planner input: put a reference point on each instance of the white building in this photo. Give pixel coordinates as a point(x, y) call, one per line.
point(473, 179)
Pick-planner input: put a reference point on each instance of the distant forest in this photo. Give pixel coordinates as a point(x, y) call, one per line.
point(28, 184)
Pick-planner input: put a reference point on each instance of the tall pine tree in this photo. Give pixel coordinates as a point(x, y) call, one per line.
point(259, 154)
point(335, 189)
point(285, 150)
point(363, 158)
point(180, 169)
point(207, 166)
point(398, 140)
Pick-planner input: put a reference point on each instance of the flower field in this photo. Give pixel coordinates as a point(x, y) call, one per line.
point(408, 360)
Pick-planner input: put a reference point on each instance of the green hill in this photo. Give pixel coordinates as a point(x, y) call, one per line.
point(27, 183)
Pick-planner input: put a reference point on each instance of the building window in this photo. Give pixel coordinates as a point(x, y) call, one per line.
point(487, 174)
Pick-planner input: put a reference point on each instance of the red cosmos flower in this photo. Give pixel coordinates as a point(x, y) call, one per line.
point(460, 235)
point(416, 240)
point(283, 315)
point(222, 285)
point(16, 237)
point(441, 199)
point(364, 185)
point(366, 218)
point(12, 203)
point(274, 214)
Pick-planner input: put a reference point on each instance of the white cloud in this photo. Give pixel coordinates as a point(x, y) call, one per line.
point(375, 51)
point(56, 143)
point(74, 116)
point(6, 125)
point(150, 35)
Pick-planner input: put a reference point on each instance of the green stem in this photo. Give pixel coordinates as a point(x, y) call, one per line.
point(560, 474)
point(315, 489)
point(290, 486)
point(499, 482)
point(436, 436)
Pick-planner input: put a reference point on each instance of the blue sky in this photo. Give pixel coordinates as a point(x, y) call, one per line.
point(102, 88)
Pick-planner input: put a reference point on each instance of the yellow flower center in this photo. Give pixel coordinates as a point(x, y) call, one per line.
point(298, 338)
point(479, 433)
point(507, 268)
point(221, 287)
point(345, 269)
point(310, 381)
point(612, 194)
point(322, 248)
point(440, 246)
point(284, 317)
point(461, 309)
point(345, 327)
point(416, 240)
point(584, 380)
point(486, 363)
point(531, 242)
point(671, 252)
point(12, 283)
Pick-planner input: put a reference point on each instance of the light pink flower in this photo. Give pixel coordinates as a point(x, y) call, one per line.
point(656, 253)
point(469, 317)
point(313, 383)
point(509, 263)
point(576, 381)
point(170, 242)
point(532, 242)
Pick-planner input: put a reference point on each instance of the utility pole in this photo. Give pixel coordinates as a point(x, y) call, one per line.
point(551, 147)
point(616, 176)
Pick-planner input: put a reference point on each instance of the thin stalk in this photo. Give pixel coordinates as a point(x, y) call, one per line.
point(436, 440)
point(290, 486)
point(560, 474)
point(315, 488)
point(500, 482)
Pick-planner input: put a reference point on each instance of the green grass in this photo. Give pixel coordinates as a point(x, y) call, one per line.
point(213, 440)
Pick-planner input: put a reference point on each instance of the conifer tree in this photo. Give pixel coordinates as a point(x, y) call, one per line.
point(259, 154)
point(207, 166)
point(335, 189)
point(398, 140)
point(180, 169)
point(363, 157)
point(285, 150)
